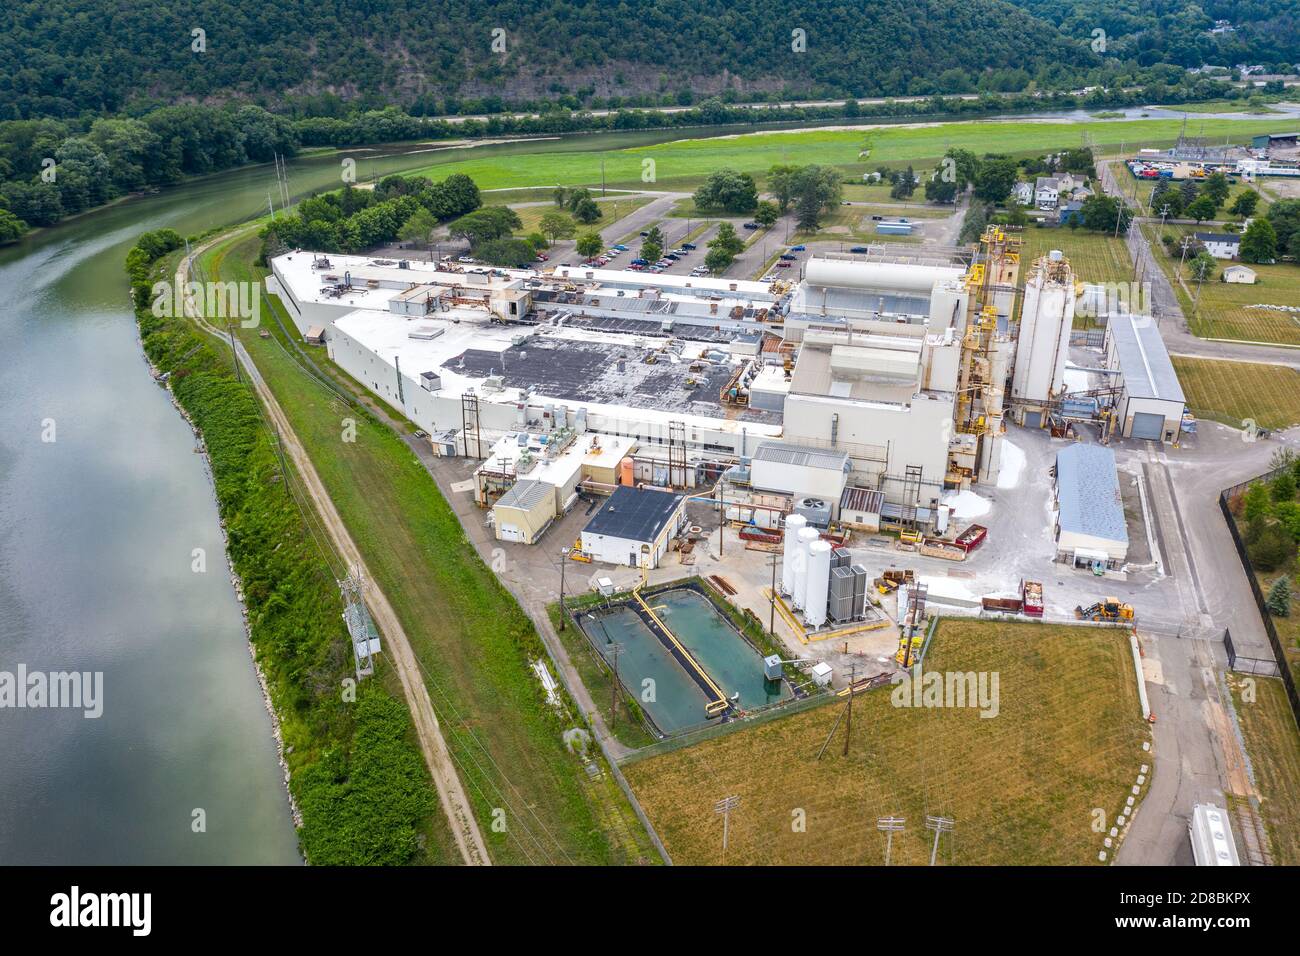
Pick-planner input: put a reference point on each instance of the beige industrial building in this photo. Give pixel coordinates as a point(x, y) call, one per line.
point(858, 394)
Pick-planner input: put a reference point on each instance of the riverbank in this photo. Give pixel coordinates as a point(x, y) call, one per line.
point(355, 778)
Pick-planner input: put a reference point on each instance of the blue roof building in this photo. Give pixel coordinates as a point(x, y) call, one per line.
point(1091, 528)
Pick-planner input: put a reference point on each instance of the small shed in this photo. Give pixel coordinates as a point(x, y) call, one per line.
point(315, 335)
point(1091, 529)
point(1243, 274)
point(524, 512)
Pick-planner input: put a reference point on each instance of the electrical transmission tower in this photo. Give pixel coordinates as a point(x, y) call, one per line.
point(365, 638)
point(889, 826)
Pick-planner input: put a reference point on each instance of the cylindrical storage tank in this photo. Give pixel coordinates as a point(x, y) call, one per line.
point(803, 541)
point(625, 472)
point(793, 525)
point(818, 583)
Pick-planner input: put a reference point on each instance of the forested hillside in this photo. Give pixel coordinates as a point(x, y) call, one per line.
point(1264, 32)
point(64, 57)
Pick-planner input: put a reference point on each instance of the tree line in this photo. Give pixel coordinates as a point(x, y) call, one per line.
point(54, 168)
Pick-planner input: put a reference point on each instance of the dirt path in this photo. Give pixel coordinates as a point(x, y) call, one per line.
point(451, 794)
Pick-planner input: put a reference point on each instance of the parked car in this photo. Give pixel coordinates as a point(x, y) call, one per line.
point(542, 257)
point(689, 245)
point(672, 256)
point(636, 268)
point(799, 248)
point(879, 218)
point(620, 247)
point(640, 262)
point(683, 251)
point(466, 259)
point(644, 234)
point(859, 249)
point(788, 257)
point(750, 225)
point(784, 265)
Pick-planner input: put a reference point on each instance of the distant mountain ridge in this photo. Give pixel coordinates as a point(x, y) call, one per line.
point(71, 57)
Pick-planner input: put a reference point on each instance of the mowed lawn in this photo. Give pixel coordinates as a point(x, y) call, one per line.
point(1273, 742)
point(1224, 309)
point(1021, 787)
point(1095, 257)
point(1232, 392)
point(684, 162)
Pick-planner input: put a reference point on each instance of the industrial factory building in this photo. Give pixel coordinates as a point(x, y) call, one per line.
point(1150, 405)
point(857, 395)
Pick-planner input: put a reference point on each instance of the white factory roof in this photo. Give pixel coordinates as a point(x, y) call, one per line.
point(388, 337)
point(685, 285)
point(1143, 361)
point(589, 449)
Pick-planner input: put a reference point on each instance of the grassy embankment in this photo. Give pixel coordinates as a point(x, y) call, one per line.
point(473, 640)
point(1268, 728)
point(356, 771)
point(1022, 787)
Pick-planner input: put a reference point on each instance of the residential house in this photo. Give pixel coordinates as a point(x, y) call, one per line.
point(1221, 245)
point(1047, 192)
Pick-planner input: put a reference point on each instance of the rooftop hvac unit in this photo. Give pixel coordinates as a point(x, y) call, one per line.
point(815, 511)
point(430, 381)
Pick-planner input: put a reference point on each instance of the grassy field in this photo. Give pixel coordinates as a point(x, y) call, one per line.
point(1273, 742)
point(1224, 308)
point(1231, 392)
point(472, 638)
point(613, 209)
point(1021, 786)
point(1095, 256)
point(684, 163)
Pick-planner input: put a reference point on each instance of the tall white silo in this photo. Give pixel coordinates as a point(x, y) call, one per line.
point(793, 525)
point(818, 583)
point(804, 539)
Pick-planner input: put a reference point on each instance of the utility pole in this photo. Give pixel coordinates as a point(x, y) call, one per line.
point(564, 561)
point(939, 825)
point(614, 646)
point(724, 807)
point(889, 826)
point(771, 621)
point(848, 715)
point(239, 376)
point(722, 519)
point(1187, 241)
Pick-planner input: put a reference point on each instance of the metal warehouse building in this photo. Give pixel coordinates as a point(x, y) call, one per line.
point(1151, 402)
point(634, 527)
point(1091, 530)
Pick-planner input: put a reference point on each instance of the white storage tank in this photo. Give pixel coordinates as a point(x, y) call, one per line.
point(818, 583)
point(805, 538)
point(793, 525)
